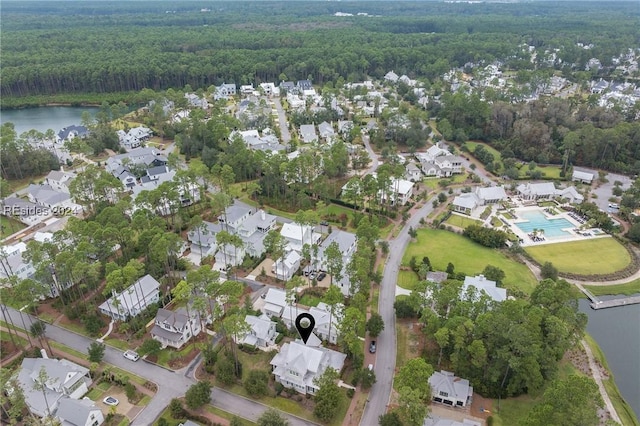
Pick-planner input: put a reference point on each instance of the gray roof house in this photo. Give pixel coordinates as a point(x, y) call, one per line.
point(176, 328)
point(47, 196)
point(79, 412)
point(68, 133)
point(64, 379)
point(149, 157)
point(262, 332)
point(25, 211)
point(581, 176)
point(133, 300)
point(59, 180)
point(203, 239)
point(347, 244)
point(234, 215)
point(326, 131)
point(535, 191)
point(308, 133)
point(297, 365)
point(483, 285)
point(450, 390)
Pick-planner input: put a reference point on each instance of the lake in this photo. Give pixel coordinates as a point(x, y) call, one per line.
point(44, 118)
point(617, 331)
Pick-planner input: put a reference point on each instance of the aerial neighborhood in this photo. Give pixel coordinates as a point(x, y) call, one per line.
point(393, 246)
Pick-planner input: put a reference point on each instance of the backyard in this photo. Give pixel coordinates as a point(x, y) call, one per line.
point(461, 221)
point(593, 256)
point(467, 256)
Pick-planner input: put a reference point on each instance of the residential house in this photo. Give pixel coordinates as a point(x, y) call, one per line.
point(302, 85)
point(298, 235)
point(391, 77)
point(275, 301)
point(176, 328)
point(346, 242)
point(267, 142)
point(297, 365)
point(135, 137)
point(59, 180)
point(233, 217)
point(326, 325)
point(570, 194)
point(247, 89)
point(12, 262)
point(399, 192)
point(308, 133)
point(25, 211)
point(71, 132)
point(288, 86)
point(262, 332)
point(483, 285)
point(133, 300)
point(295, 102)
point(438, 162)
point(536, 191)
point(48, 197)
point(225, 91)
point(79, 412)
point(146, 157)
point(285, 267)
point(253, 231)
point(154, 173)
point(450, 390)
point(229, 255)
point(491, 194)
point(65, 379)
point(125, 176)
point(413, 172)
point(582, 176)
point(465, 203)
point(345, 126)
point(203, 238)
point(196, 101)
point(326, 131)
point(433, 420)
point(270, 89)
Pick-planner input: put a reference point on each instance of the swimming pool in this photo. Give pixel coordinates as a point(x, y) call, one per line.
point(537, 220)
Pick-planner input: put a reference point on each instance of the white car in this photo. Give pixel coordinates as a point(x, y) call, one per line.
point(111, 401)
point(133, 356)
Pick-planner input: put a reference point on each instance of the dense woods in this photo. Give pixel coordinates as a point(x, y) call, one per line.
point(66, 47)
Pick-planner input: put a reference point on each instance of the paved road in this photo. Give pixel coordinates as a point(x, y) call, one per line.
point(282, 119)
point(170, 384)
point(386, 353)
point(374, 157)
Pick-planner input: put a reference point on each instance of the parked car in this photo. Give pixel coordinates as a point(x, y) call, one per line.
point(370, 367)
point(133, 356)
point(111, 401)
point(312, 276)
point(372, 347)
point(324, 223)
point(321, 276)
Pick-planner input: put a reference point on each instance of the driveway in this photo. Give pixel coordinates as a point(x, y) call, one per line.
point(282, 119)
point(604, 191)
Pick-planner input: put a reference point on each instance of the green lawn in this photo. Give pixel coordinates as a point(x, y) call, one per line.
point(408, 280)
point(67, 349)
point(117, 343)
point(593, 256)
point(627, 289)
point(512, 410)
point(467, 256)
point(169, 354)
point(309, 300)
point(548, 172)
point(461, 221)
point(471, 146)
point(434, 183)
point(9, 226)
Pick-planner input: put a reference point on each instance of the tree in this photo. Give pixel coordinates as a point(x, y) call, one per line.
point(256, 383)
point(367, 377)
point(494, 273)
point(176, 409)
point(415, 375)
point(450, 268)
point(548, 271)
point(41, 383)
point(375, 324)
point(390, 419)
point(573, 401)
point(328, 395)
point(96, 351)
point(412, 407)
point(13, 403)
point(274, 244)
point(37, 330)
point(272, 417)
point(333, 297)
point(198, 395)
point(150, 347)
point(225, 371)
point(335, 261)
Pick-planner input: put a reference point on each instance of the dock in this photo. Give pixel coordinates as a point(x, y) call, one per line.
point(612, 303)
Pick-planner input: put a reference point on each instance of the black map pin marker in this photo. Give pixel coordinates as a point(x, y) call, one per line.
point(304, 329)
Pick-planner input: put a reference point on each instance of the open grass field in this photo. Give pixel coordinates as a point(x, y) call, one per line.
point(467, 256)
point(9, 226)
point(627, 289)
point(548, 172)
point(434, 183)
point(471, 146)
point(461, 221)
point(408, 280)
point(593, 256)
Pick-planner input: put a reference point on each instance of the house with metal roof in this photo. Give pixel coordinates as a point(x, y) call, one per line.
point(450, 390)
point(133, 300)
point(482, 285)
point(79, 412)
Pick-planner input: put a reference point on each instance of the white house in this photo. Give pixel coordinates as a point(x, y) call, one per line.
point(346, 242)
point(176, 328)
point(65, 379)
point(262, 332)
point(203, 238)
point(25, 211)
point(71, 132)
point(483, 285)
point(225, 91)
point(465, 203)
point(536, 191)
point(79, 412)
point(450, 390)
point(59, 180)
point(296, 366)
point(285, 267)
point(46, 196)
point(308, 133)
point(275, 301)
point(398, 193)
point(326, 325)
point(391, 77)
point(253, 231)
point(491, 194)
point(298, 235)
point(133, 300)
point(326, 131)
point(13, 264)
point(413, 172)
point(233, 216)
point(581, 176)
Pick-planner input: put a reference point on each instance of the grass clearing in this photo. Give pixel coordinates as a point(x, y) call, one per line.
point(461, 221)
point(228, 416)
point(593, 256)
point(166, 355)
point(512, 410)
point(117, 343)
point(467, 256)
point(471, 146)
point(627, 289)
point(67, 349)
point(139, 380)
point(94, 394)
point(309, 300)
point(548, 172)
point(9, 226)
point(408, 280)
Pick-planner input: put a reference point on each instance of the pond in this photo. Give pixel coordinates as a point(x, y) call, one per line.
point(44, 118)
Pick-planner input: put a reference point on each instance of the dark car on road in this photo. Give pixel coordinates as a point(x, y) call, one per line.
point(321, 276)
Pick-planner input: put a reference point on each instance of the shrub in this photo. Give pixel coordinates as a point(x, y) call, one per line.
point(351, 393)
point(176, 409)
point(256, 383)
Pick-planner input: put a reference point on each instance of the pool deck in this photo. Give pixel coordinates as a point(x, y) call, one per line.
point(573, 231)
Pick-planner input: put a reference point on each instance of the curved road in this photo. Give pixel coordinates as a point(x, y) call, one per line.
point(170, 384)
point(386, 354)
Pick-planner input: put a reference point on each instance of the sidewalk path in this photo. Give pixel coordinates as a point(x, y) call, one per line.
point(595, 372)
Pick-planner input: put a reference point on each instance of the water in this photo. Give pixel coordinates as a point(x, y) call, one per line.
point(537, 220)
point(44, 118)
point(617, 331)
